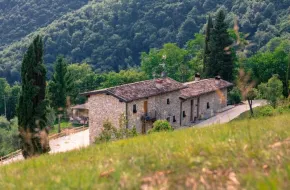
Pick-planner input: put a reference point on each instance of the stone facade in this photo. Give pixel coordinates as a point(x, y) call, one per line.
point(180, 104)
point(157, 108)
point(203, 107)
point(103, 107)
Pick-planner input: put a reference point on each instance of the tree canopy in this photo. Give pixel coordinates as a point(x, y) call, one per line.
point(110, 34)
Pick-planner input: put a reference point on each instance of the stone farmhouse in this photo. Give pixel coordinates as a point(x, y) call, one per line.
point(142, 103)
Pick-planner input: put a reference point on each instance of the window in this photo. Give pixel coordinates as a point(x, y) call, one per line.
point(168, 119)
point(168, 101)
point(207, 105)
point(134, 108)
point(184, 115)
point(174, 119)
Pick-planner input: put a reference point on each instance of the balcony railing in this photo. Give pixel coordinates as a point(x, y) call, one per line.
point(150, 116)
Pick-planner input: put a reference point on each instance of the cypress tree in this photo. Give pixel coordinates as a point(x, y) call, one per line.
point(208, 30)
point(32, 106)
point(221, 61)
point(60, 84)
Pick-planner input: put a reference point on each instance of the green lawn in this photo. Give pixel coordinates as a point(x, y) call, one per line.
point(249, 154)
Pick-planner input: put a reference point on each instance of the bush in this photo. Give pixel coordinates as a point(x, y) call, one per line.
point(281, 110)
point(111, 133)
point(4, 123)
point(267, 111)
point(235, 96)
point(161, 125)
point(9, 139)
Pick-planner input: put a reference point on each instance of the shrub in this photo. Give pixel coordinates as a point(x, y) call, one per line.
point(281, 110)
point(161, 125)
point(4, 123)
point(107, 134)
point(9, 140)
point(235, 96)
point(110, 133)
point(267, 111)
point(272, 91)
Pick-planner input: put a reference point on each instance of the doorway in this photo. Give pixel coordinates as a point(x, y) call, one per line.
point(146, 107)
point(145, 114)
point(191, 110)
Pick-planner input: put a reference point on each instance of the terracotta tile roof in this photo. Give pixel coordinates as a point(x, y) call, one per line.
point(140, 90)
point(198, 88)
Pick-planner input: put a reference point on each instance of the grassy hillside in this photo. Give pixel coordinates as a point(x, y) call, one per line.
point(250, 154)
point(110, 34)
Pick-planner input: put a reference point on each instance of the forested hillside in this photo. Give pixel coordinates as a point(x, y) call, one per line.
point(21, 17)
point(110, 35)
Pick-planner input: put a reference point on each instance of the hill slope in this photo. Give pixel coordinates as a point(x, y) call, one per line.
point(111, 34)
point(250, 154)
point(18, 18)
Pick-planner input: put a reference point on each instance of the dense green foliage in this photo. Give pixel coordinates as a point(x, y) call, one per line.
point(235, 96)
point(170, 59)
point(9, 140)
point(18, 18)
point(9, 95)
point(272, 90)
point(161, 126)
point(60, 85)
point(32, 107)
point(32, 103)
point(85, 79)
point(219, 58)
point(111, 34)
point(249, 154)
point(272, 60)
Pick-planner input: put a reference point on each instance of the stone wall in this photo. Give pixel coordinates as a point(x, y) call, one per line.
point(217, 100)
point(186, 106)
point(157, 108)
point(103, 107)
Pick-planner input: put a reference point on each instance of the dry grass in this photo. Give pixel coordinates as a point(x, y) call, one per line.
point(249, 154)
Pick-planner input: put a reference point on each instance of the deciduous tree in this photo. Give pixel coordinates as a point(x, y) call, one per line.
point(272, 91)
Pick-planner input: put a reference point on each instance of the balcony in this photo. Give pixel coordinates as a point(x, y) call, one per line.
point(149, 117)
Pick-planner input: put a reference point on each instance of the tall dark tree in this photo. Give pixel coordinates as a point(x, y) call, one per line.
point(60, 85)
point(221, 59)
point(32, 108)
point(208, 30)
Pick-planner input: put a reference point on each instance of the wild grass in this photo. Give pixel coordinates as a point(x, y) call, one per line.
point(265, 111)
point(248, 154)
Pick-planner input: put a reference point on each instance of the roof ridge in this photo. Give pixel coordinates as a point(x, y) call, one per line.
point(192, 82)
point(143, 81)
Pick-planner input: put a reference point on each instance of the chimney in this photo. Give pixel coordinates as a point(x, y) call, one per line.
point(159, 83)
point(217, 80)
point(197, 77)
